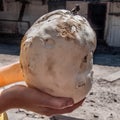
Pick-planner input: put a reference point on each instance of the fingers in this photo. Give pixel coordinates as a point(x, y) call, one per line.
point(45, 100)
point(51, 112)
point(31, 96)
point(59, 102)
point(65, 110)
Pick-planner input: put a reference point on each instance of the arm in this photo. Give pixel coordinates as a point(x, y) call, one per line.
point(10, 74)
point(34, 100)
point(20, 96)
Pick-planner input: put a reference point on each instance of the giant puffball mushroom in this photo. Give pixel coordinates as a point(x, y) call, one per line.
point(57, 55)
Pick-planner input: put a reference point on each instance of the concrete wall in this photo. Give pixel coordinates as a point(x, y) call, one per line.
point(11, 12)
point(113, 25)
point(32, 12)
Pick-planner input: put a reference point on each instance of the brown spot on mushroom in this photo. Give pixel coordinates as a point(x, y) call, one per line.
point(30, 69)
point(86, 34)
point(85, 59)
point(84, 19)
point(80, 84)
point(83, 65)
point(64, 30)
point(49, 43)
point(23, 39)
point(50, 67)
point(79, 25)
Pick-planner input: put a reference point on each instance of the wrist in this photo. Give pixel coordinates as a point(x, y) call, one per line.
point(9, 98)
point(3, 105)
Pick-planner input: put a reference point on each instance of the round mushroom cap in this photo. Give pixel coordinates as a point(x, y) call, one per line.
point(57, 55)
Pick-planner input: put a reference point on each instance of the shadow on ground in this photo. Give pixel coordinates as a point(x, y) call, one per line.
point(62, 117)
point(10, 43)
point(11, 49)
point(109, 56)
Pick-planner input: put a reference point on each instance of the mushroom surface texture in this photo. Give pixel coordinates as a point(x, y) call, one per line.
point(57, 55)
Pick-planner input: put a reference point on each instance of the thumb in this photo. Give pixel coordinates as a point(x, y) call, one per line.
point(60, 102)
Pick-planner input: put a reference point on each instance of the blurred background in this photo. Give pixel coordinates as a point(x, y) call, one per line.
point(16, 17)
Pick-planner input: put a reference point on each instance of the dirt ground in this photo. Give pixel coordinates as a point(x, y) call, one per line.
point(103, 101)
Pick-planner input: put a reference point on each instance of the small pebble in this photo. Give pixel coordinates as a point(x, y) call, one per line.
point(96, 116)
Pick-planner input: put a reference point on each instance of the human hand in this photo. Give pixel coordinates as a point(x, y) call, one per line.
point(34, 100)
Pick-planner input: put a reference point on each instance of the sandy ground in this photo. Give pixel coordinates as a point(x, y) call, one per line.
point(103, 101)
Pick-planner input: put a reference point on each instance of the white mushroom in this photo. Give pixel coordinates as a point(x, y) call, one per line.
point(57, 55)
